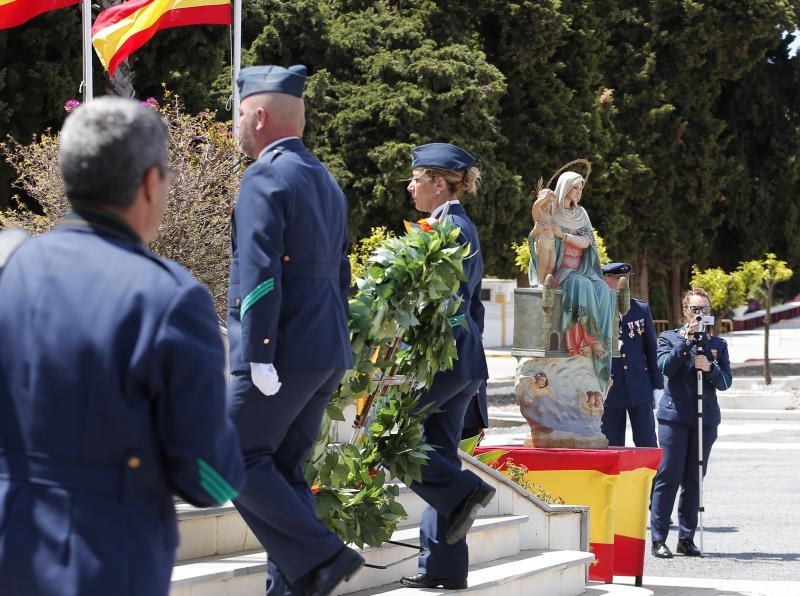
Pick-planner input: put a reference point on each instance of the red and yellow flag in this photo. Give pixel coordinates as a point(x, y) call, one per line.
point(121, 30)
point(16, 12)
point(614, 483)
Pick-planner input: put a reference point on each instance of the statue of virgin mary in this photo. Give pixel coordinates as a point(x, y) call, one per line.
point(588, 305)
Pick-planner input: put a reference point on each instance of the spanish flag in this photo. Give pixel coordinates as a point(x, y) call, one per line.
point(121, 30)
point(614, 483)
point(16, 12)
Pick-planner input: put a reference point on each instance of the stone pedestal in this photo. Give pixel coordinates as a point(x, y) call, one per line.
point(537, 321)
point(559, 395)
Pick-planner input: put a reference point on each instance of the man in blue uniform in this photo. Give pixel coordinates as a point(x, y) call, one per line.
point(287, 324)
point(679, 361)
point(635, 372)
point(112, 384)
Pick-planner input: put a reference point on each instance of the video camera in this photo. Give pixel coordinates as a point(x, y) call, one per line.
point(700, 337)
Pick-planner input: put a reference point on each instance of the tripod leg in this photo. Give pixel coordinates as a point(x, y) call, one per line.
point(700, 455)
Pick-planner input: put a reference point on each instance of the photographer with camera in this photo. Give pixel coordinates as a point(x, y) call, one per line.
point(681, 354)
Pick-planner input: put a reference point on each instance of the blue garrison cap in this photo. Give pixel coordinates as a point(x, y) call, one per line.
point(272, 79)
point(617, 269)
point(441, 155)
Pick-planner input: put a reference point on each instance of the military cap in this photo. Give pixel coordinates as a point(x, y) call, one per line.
point(272, 79)
point(617, 269)
point(441, 155)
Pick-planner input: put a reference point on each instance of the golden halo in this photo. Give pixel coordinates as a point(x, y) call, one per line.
point(584, 162)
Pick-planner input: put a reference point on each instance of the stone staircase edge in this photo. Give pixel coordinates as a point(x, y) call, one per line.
point(248, 566)
point(564, 560)
point(409, 534)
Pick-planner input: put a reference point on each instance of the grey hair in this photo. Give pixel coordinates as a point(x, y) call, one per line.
point(106, 147)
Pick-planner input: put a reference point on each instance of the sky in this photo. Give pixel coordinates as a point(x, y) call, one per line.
point(795, 45)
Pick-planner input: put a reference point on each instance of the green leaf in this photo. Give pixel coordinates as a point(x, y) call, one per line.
point(468, 445)
point(488, 457)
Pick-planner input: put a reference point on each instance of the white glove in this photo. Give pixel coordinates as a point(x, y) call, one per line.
point(265, 377)
point(657, 393)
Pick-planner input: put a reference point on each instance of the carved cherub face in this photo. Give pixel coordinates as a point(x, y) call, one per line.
point(595, 399)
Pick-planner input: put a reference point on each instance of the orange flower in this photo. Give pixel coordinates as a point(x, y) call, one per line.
point(422, 224)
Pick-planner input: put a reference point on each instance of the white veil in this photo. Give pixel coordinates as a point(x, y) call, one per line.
point(576, 217)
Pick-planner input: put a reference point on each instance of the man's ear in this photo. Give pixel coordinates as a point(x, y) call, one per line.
point(262, 116)
point(150, 182)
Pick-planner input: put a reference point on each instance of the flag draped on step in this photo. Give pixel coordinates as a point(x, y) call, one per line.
point(614, 483)
point(16, 12)
point(121, 30)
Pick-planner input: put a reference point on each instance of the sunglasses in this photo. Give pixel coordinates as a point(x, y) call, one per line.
point(696, 310)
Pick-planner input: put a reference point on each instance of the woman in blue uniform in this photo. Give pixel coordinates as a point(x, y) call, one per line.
point(442, 174)
point(678, 361)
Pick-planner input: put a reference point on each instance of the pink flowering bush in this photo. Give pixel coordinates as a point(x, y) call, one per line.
point(195, 230)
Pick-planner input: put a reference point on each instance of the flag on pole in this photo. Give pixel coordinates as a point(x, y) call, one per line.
point(15, 12)
point(121, 30)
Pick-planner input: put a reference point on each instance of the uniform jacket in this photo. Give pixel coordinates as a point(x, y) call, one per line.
point(635, 371)
point(290, 275)
point(112, 398)
point(471, 363)
point(676, 362)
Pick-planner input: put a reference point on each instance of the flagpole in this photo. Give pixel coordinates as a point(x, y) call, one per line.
point(237, 61)
point(88, 91)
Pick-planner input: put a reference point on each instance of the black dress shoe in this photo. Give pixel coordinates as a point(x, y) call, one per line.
point(661, 550)
point(428, 581)
point(464, 515)
point(330, 574)
point(688, 548)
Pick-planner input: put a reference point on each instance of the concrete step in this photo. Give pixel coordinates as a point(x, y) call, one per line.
point(505, 417)
point(244, 573)
point(539, 572)
point(212, 531)
point(596, 589)
point(744, 383)
point(767, 399)
point(221, 531)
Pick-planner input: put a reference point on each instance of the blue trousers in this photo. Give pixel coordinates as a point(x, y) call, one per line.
point(643, 425)
point(276, 435)
point(678, 469)
point(444, 484)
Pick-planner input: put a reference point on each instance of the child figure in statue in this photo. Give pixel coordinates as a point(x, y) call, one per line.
point(544, 239)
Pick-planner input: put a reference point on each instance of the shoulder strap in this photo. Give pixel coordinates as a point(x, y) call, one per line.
point(10, 241)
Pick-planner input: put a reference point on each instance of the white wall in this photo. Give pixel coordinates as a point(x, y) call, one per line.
point(499, 308)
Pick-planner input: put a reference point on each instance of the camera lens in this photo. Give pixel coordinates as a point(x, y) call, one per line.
point(698, 318)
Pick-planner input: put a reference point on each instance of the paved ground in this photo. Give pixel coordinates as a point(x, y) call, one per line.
point(752, 519)
point(752, 499)
point(669, 586)
point(752, 491)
